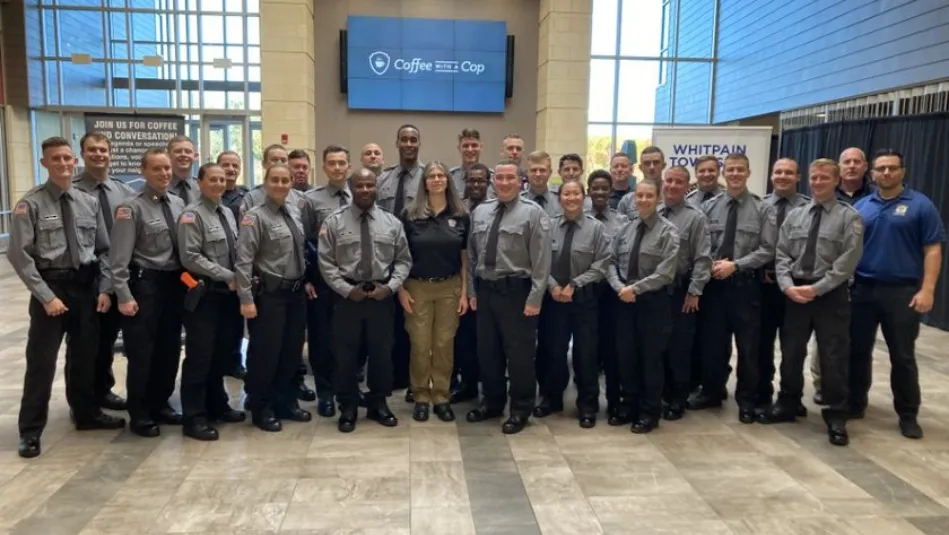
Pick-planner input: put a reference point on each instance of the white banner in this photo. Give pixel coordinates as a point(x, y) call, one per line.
point(682, 145)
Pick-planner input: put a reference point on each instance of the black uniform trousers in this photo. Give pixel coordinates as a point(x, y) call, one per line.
point(678, 354)
point(236, 352)
point(828, 317)
point(772, 318)
point(319, 332)
point(42, 346)
point(401, 350)
point(466, 351)
point(642, 336)
point(109, 325)
point(358, 327)
point(152, 340)
point(506, 340)
point(276, 346)
point(875, 304)
point(558, 322)
point(607, 307)
point(208, 351)
point(732, 307)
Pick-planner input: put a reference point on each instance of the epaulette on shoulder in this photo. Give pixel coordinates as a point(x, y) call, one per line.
point(453, 169)
point(391, 167)
point(754, 195)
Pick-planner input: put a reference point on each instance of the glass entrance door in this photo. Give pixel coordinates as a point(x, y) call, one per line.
point(225, 133)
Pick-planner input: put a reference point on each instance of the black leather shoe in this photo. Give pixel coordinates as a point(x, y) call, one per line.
point(200, 430)
point(113, 402)
point(702, 402)
point(29, 447)
point(547, 406)
point(746, 416)
point(347, 421)
point(619, 417)
point(304, 393)
point(237, 372)
point(513, 425)
point(777, 414)
point(818, 398)
point(910, 428)
point(801, 411)
point(588, 420)
point(420, 413)
point(326, 408)
point(674, 412)
point(145, 428)
point(837, 433)
point(294, 414)
point(444, 412)
point(409, 396)
point(463, 393)
point(382, 415)
point(644, 425)
point(266, 421)
point(168, 416)
point(100, 421)
point(483, 413)
point(230, 417)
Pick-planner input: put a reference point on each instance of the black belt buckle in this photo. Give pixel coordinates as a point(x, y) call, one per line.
point(297, 284)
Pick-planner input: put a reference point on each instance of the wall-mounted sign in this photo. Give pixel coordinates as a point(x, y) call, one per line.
point(131, 136)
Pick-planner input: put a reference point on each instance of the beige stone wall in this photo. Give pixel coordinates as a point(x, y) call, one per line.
point(563, 76)
point(19, 151)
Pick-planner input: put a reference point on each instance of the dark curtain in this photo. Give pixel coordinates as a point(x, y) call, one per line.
point(924, 142)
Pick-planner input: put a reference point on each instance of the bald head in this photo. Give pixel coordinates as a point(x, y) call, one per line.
point(364, 174)
point(372, 158)
point(853, 168)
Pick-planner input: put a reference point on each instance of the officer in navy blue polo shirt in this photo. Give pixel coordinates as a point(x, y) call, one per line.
point(893, 286)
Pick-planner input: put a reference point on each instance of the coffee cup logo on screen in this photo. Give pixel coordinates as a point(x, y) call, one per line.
point(379, 62)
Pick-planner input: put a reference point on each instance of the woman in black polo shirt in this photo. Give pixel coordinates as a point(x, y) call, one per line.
point(435, 295)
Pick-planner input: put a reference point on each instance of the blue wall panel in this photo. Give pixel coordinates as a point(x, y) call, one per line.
point(780, 54)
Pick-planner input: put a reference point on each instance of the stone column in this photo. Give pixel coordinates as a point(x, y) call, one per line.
point(563, 76)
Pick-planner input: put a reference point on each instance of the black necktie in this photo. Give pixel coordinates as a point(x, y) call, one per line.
point(106, 207)
point(228, 234)
point(665, 211)
point(342, 198)
point(185, 192)
point(561, 271)
point(706, 195)
point(169, 222)
point(297, 237)
point(541, 200)
point(69, 227)
point(782, 211)
point(810, 250)
point(491, 249)
point(727, 248)
point(365, 248)
point(400, 194)
point(632, 273)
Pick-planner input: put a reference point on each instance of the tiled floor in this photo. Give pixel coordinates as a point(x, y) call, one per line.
point(706, 474)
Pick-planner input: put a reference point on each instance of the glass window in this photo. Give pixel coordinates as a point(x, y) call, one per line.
point(254, 101)
point(144, 26)
point(255, 174)
point(599, 146)
point(253, 30)
point(215, 100)
point(603, 39)
point(121, 98)
point(80, 32)
point(641, 33)
point(211, 53)
point(638, 81)
point(602, 89)
point(117, 26)
point(49, 32)
point(235, 74)
point(253, 74)
point(696, 29)
point(212, 29)
point(85, 83)
point(235, 100)
point(234, 6)
point(153, 98)
point(632, 140)
point(187, 5)
point(84, 3)
point(212, 5)
point(52, 83)
point(234, 27)
point(212, 73)
point(235, 54)
point(188, 28)
point(253, 55)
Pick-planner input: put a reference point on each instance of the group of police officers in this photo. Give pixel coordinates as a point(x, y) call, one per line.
point(650, 281)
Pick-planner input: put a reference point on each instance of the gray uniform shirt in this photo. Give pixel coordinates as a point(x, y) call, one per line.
point(839, 245)
point(115, 191)
point(658, 255)
point(388, 184)
point(140, 236)
point(627, 205)
point(694, 244)
point(319, 203)
point(549, 201)
point(258, 195)
point(697, 197)
point(185, 188)
point(589, 250)
point(38, 237)
point(755, 235)
point(457, 175)
point(340, 249)
point(266, 245)
point(523, 245)
point(202, 241)
point(612, 221)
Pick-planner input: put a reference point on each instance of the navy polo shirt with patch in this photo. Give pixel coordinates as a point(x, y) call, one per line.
point(895, 233)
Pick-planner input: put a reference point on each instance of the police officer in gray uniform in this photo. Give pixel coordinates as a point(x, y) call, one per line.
point(182, 154)
point(233, 195)
point(509, 266)
point(692, 273)
point(537, 184)
point(57, 245)
point(743, 233)
point(707, 187)
point(207, 241)
point(783, 199)
point(364, 257)
point(817, 254)
point(469, 145)
point(319, 203)
point(394, 191)
point(145, 273)
point(580, 253)
point(644, 262)
point(95, 180)
point(272, 288)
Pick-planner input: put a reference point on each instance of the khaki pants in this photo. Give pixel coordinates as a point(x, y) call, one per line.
point(431, 328)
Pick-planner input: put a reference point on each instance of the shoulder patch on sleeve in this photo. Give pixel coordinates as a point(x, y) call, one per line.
point(123, 212)
point(187, 218)
point(858, 227)
point(248, 220)
point(545, 222)
point(21, 209)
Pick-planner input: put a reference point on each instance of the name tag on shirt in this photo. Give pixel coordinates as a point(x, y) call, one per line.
point(50, 217)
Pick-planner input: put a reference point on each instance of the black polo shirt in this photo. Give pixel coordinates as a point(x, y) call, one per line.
point(865, 189)
point(436, 244)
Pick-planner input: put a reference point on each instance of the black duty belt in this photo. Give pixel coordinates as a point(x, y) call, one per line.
point(147, 274)
point(804, 282)
point(272, 283)
point(503, 284)
point(86, 273)
point(367, 285)
point(433, 279)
